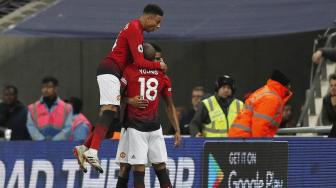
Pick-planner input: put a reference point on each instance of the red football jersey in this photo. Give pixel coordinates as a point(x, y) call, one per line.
point(150, 85)
point(128, 49)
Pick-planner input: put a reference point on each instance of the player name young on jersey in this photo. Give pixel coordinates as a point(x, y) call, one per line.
point(146, 71)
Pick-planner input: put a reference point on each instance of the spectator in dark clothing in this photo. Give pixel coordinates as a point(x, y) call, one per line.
point(327, 53)
point(287, 117)
point(287, 120)
point(329, 103)
point(186, 117)
point(332, 133)
point(13, 114)
point(329, 106)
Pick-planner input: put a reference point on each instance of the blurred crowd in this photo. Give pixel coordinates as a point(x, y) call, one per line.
point(210, 114)
point(52, 118)
point(48, 118)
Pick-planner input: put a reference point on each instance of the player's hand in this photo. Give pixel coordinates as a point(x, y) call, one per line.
point(138, 102)
point(199, 134)
point(317, 57)
point(177, 139)
point(163, 66)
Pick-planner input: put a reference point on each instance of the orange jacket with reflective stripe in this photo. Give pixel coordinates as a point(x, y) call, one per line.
point(262, 112)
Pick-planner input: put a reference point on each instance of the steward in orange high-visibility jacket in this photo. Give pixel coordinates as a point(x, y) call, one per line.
point(262, 112)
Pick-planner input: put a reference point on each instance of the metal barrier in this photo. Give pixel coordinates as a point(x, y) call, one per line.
point(317, 129)
point(318, 73)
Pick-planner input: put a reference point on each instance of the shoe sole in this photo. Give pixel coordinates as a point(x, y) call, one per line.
point(75, 152)
point(98, 169)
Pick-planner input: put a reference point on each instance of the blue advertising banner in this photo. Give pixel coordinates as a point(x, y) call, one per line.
point(311, 163)
point(51, 164)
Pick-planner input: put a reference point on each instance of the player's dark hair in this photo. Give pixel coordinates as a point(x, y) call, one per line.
point(332, 77)
point(76, 103)
point(156, 47)
point(8, 87)
point(153, 9)
point(51, 79)
point(149, 51)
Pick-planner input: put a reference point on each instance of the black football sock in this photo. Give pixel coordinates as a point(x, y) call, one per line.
point(163, 178)
point(122, 182)
point(139, 181)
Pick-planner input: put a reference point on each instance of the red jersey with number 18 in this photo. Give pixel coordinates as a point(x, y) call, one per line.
point(150, 85)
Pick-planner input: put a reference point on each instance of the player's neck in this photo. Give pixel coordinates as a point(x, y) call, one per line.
point(142, 20)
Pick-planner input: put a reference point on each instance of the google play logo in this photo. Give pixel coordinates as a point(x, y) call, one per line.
point(215, 173)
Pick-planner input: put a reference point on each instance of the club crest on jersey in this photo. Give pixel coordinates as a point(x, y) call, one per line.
point(140, 48)
point(122, 155)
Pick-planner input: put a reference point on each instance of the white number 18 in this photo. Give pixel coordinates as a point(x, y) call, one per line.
point(148, 88)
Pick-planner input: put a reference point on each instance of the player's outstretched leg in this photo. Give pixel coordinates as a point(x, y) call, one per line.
point(78, 153)
point(161, 173)
point(92, 158)
point(108, 114)
point(79, 150)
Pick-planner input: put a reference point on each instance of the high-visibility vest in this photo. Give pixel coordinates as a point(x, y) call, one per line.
point(45, 119)
point(219, 122)
point(77, 120)
point(262, 112)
